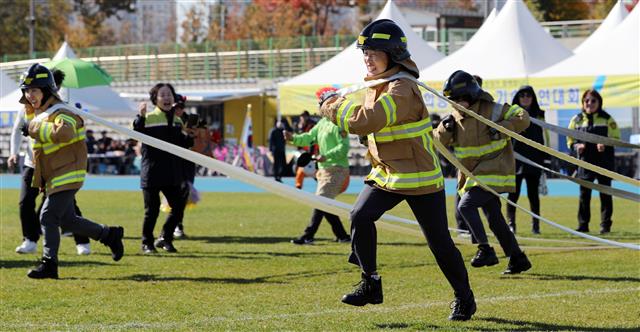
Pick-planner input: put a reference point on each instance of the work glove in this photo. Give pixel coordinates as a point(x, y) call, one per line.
point(449, 123)
point(494, 133)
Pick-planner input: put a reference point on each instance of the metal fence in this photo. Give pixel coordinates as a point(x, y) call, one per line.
point(269, 58)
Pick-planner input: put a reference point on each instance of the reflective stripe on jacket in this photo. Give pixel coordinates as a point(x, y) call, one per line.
point(60, 153)
point(396, 123)
point(599, 123)
point(160, 168)
point(490, 159)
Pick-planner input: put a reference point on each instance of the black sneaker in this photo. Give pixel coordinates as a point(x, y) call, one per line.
point(48, 269)
point(149, 249)
point(518, 263)
point(463, 309)
point(166, 245)
point(605, 230)
point(368, 290)
point(114, 242)
point(484, 257)
point(583, 229)
point(302, 240)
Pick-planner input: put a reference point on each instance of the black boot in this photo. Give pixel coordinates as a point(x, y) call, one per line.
point(114, 242)
point(48, 269)
point(485, 256)
point(518, 263)
point(368, 290)
point(463, 308)
point(535, 227)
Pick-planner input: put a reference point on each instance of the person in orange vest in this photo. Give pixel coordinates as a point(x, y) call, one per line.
point(60, 159)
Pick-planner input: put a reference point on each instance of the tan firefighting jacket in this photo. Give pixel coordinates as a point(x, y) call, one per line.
point(397, 125)
point(489, 157)
point(59, 149)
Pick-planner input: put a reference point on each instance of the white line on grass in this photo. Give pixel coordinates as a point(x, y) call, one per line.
point(346, 310)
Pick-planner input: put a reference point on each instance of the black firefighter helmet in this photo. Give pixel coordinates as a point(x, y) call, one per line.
point(384, 35)
point(461, 86)
point(38, 76)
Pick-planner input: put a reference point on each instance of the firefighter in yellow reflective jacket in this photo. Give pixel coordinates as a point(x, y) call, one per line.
point(60, 160)
point(404, 164)
point(593, 119)
point(488, 154)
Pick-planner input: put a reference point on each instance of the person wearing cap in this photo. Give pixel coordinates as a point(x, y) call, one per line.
point(405, 165)
point(332, 174)
point(488, 154)
point(160, 170)
point(60, 159)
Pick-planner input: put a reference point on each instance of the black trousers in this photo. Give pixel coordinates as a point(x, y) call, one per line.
point(177, 201)
point(29, 220)
point(316, 219)
point(476, 198)
point(606, 203)
point(279, 161)
point(533, 181)
point(27, 207)
point(430, 212)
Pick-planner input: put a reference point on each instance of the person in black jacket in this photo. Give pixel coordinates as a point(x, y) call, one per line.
point(593, 119)
point(277, 146)
point(526, 98)
point(161, 171)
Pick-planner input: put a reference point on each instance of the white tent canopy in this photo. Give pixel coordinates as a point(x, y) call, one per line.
point(617, 14)
point(7, 85)
point(99, 100)
point(348, 66)
point(513, 45)
point(617, 53)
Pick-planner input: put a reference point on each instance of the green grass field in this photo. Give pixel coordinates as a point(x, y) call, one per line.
point(238, 271)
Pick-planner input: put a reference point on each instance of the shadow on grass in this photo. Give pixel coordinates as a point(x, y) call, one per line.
point(520, 325)
point(243, 255)
point(33, 262)
point(156, 278)
point(540, 276)
point(241, 239)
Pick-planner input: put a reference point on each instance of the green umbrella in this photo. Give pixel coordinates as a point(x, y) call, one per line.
point(80, 73)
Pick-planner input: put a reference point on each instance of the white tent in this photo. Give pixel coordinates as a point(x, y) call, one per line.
point(7, 85)
point(615, 16)
point(348, 66)
point(99, 100)
point(617, 53)
point(514, 45)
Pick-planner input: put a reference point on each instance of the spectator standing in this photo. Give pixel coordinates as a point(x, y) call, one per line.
point(277, 145)
point(593, 119)
point(161, 171)
point(526, 98)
